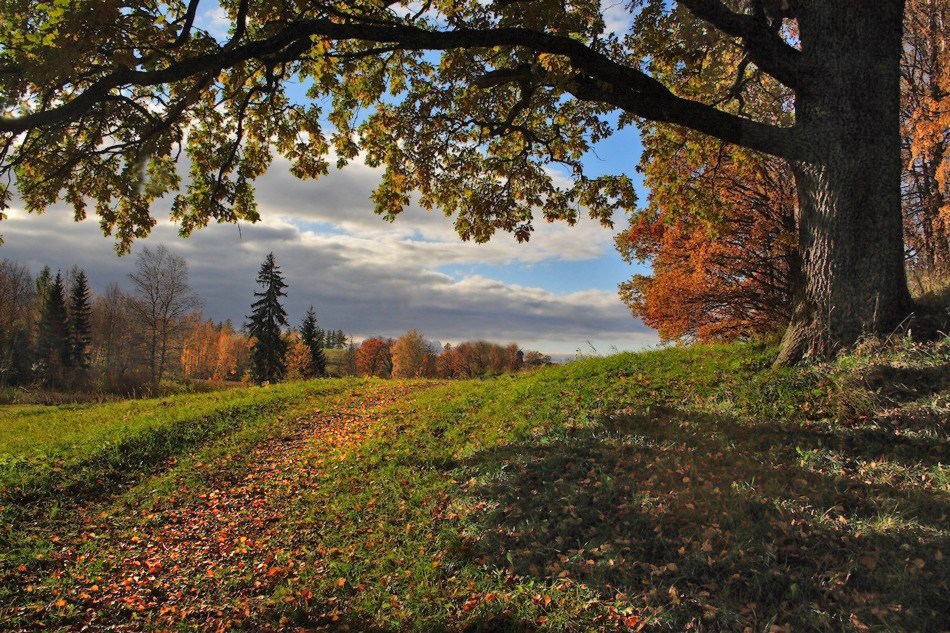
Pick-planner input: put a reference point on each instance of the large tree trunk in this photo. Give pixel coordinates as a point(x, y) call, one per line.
point(853, 281)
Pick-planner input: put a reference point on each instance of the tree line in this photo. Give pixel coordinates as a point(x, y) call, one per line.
point(279, 352)
point(56, 334)
point(411, 356)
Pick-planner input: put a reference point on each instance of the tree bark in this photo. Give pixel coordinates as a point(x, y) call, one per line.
point(854, 282)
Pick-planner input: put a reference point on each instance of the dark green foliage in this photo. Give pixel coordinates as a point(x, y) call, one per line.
point(15, 354)
point(79, 325)
point(264, 325)
point(312, 337)
point(53, 342)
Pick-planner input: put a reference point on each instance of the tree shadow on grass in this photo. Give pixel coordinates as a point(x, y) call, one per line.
point(706, 522)
point(904, 384)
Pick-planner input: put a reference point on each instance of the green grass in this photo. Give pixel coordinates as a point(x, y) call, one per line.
point(44, 450)
point(336, 362)
point(678, 489)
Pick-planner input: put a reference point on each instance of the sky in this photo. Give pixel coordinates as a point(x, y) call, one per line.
point(369, 277)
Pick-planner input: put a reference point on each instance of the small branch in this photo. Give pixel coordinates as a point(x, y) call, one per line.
point(767, 48)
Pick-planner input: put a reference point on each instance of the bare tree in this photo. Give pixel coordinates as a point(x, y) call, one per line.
point(114, 341)
point(162, 298)
point(17, 295)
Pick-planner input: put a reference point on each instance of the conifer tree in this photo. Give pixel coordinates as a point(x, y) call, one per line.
point(53, 340)
point(43, 281)
point(312, 337)
point(79, 325)
point(264, 326)
point(349, 358)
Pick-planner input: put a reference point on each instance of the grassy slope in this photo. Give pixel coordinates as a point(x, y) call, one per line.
point(680, 488)
point(45, 450)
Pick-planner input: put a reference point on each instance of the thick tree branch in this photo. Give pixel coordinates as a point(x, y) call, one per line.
point(668, 108)
point(601, 78)
point(767, 49)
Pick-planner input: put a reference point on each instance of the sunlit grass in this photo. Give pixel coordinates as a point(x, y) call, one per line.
point(662, 491)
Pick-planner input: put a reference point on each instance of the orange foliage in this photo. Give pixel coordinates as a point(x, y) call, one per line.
point(298, 359)
point(720, 234)
point(411, 356)
point(925, 122)
point(374, 358)
point(478, 359)
point(214, 352)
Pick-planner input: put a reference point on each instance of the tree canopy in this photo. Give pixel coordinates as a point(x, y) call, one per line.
point(100, 98)
point(484, 110)
point(719, 225)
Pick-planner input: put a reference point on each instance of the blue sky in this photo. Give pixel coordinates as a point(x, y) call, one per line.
point(370, 277)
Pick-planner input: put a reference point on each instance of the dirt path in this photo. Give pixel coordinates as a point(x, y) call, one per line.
point(213, 561)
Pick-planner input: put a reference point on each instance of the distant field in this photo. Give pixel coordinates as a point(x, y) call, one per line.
point(336, 361)
point(684, 488)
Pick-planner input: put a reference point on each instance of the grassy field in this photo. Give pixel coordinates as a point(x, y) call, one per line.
point(683, 489)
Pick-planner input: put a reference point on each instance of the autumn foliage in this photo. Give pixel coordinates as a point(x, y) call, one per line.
point(412, 357)
point(720, 225)
point(722, 245)
point(925, 121)
point(478, 359)
point(214, 352)
point(374, 358)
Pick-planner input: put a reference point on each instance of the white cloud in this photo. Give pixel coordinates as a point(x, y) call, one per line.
point(215, 21)
point(363, 274)
point(342, 199)
point(617, 16)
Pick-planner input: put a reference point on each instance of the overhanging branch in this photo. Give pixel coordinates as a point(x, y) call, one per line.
point(600, 78)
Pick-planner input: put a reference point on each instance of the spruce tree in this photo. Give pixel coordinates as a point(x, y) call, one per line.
point(43, 281)
point(312, 337)
point(53, 340)
point(79, 326)
point(264, 326)
point(349, 358)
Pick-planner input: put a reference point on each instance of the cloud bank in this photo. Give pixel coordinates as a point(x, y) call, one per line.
point(364, 275)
